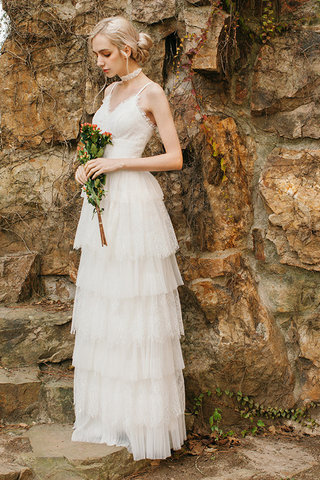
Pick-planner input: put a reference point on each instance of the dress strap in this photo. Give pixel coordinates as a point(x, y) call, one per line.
point(144, 86)
point(111, 89)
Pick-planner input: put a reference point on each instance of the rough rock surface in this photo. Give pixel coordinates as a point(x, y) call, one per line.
point(290, 184)
point(19, 276)
point(153, 11)
point(245, 207)
point(19, 393)
point(286, 86)
point(196, 19)
point(31, 335)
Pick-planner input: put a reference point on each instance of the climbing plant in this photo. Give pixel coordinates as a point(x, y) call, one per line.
point(249, 409)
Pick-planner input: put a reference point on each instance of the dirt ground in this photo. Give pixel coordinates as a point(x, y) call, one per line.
point(262, 457)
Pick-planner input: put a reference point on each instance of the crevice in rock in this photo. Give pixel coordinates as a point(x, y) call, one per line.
point(171, 44)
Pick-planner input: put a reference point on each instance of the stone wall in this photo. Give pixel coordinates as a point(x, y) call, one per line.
point(245, 206)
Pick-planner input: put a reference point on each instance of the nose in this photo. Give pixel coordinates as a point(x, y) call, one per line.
point(99, 61)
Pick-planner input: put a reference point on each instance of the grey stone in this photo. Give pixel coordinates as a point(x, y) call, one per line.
point(152, 11)
point(57, 400)
point(34, 334)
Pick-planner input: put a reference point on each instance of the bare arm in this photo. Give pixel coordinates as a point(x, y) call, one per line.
point(156, 102)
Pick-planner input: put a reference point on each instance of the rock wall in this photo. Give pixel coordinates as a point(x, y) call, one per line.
point(245, 206)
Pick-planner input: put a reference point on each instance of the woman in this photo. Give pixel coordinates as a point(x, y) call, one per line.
point(128, 383)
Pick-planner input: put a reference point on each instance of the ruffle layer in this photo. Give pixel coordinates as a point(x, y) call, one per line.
point(99, 272)
point(128, 383)
point(149, 402)
point(131, 361)
point(142, 442)
point(155, 317)
point(127, 208)
point(146, 416)
point(127, 186)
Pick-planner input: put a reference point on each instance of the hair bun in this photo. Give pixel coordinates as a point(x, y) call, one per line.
point(144, 44)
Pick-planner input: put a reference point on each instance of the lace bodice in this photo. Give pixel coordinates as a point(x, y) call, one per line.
point(130, 127)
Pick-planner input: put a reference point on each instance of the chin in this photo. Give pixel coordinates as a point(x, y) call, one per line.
point(109, 74)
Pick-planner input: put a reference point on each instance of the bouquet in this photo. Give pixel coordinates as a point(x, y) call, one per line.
point(91, 145)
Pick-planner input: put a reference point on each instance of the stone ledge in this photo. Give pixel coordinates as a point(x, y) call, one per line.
point(54, 455)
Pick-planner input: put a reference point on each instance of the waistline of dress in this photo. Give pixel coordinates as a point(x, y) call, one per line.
point(123, 148)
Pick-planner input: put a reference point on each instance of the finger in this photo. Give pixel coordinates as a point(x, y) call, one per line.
point(76, 177)
point(80, 176)
point(82, 172)
point(99, 172)
point(93, 170)
point(89, 164)
point(87, 171)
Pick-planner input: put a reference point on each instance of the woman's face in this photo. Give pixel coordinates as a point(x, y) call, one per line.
point(109, 57)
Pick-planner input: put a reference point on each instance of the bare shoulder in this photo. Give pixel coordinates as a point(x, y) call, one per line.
point(156, 91)
point(156, 97)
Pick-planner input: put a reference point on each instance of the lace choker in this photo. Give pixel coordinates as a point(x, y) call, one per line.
point(131, 75)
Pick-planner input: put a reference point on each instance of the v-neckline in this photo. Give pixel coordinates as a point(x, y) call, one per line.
point(124, 100)
point(135, 96)
point(120, 103)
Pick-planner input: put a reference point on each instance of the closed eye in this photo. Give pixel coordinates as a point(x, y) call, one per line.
point(103, 54)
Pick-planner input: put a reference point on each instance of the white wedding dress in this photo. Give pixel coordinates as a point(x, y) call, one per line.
point(128, 381)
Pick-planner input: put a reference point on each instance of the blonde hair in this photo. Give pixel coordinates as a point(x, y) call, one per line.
point(121, 32)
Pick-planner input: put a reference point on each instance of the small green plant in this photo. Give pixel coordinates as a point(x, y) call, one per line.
point(214, 421)
point(197, 406)
point(251, 409)
point(267, 21)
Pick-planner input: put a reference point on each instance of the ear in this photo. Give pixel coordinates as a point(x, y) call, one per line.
point(126, 51)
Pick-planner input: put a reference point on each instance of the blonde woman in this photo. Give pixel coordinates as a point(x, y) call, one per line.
point(128, 383)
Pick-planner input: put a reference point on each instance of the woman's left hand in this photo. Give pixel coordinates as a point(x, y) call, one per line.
point(98, 166)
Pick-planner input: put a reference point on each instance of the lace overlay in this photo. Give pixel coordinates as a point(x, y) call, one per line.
point(128, 383)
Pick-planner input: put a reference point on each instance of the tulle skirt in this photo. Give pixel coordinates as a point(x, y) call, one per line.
point(128, 383)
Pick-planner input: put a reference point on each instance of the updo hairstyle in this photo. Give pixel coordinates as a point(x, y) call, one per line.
point(121, 32)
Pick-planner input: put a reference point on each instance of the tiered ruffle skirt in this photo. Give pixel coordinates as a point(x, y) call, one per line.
point(128, 381)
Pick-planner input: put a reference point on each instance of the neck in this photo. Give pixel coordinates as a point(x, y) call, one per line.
point(134, 73)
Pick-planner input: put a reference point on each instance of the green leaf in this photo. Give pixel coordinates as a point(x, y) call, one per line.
point(94, 150)
point(217, 415)
point(100, 153)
